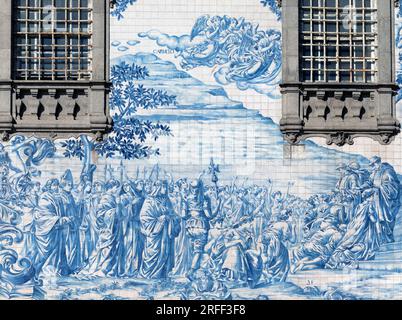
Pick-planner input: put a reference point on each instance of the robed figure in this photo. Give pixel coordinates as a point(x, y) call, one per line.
point(106, 259)
point(132, 201)
point(374, 221)
point(160, 226)
point(183, 249)
point(71, 210)
point(386, 198)
point(50, 231)
point(88, 229)
point(349, 188)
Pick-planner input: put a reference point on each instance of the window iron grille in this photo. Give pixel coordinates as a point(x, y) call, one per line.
point(52, 39)
point(339, 40)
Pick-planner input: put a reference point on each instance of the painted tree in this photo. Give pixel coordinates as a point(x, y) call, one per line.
point(273, 5)
point(119, 6)
point(130, 135)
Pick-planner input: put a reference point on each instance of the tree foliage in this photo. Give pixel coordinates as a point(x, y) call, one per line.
point(119, 6)
point(130, 134)
point(273, 5)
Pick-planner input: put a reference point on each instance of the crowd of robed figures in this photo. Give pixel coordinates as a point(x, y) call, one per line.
point(239, 233)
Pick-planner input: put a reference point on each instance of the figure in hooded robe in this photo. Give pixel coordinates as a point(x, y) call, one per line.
point(160, 226)
point(71, 210)
point(105, 261)
point(50, 231)
point(132, 201)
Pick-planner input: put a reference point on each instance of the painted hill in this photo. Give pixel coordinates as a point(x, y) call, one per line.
point(207, 123)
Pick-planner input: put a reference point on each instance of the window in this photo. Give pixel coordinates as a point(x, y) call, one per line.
point(338, 70)
point(339, 40)
point(53, 39)
point(55, 68)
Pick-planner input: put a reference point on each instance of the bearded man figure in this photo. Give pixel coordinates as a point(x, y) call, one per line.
point(50, 231)
point(71, 210)
point(373, 224)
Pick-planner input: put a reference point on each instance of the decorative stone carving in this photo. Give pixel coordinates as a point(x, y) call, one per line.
point(340, 139)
